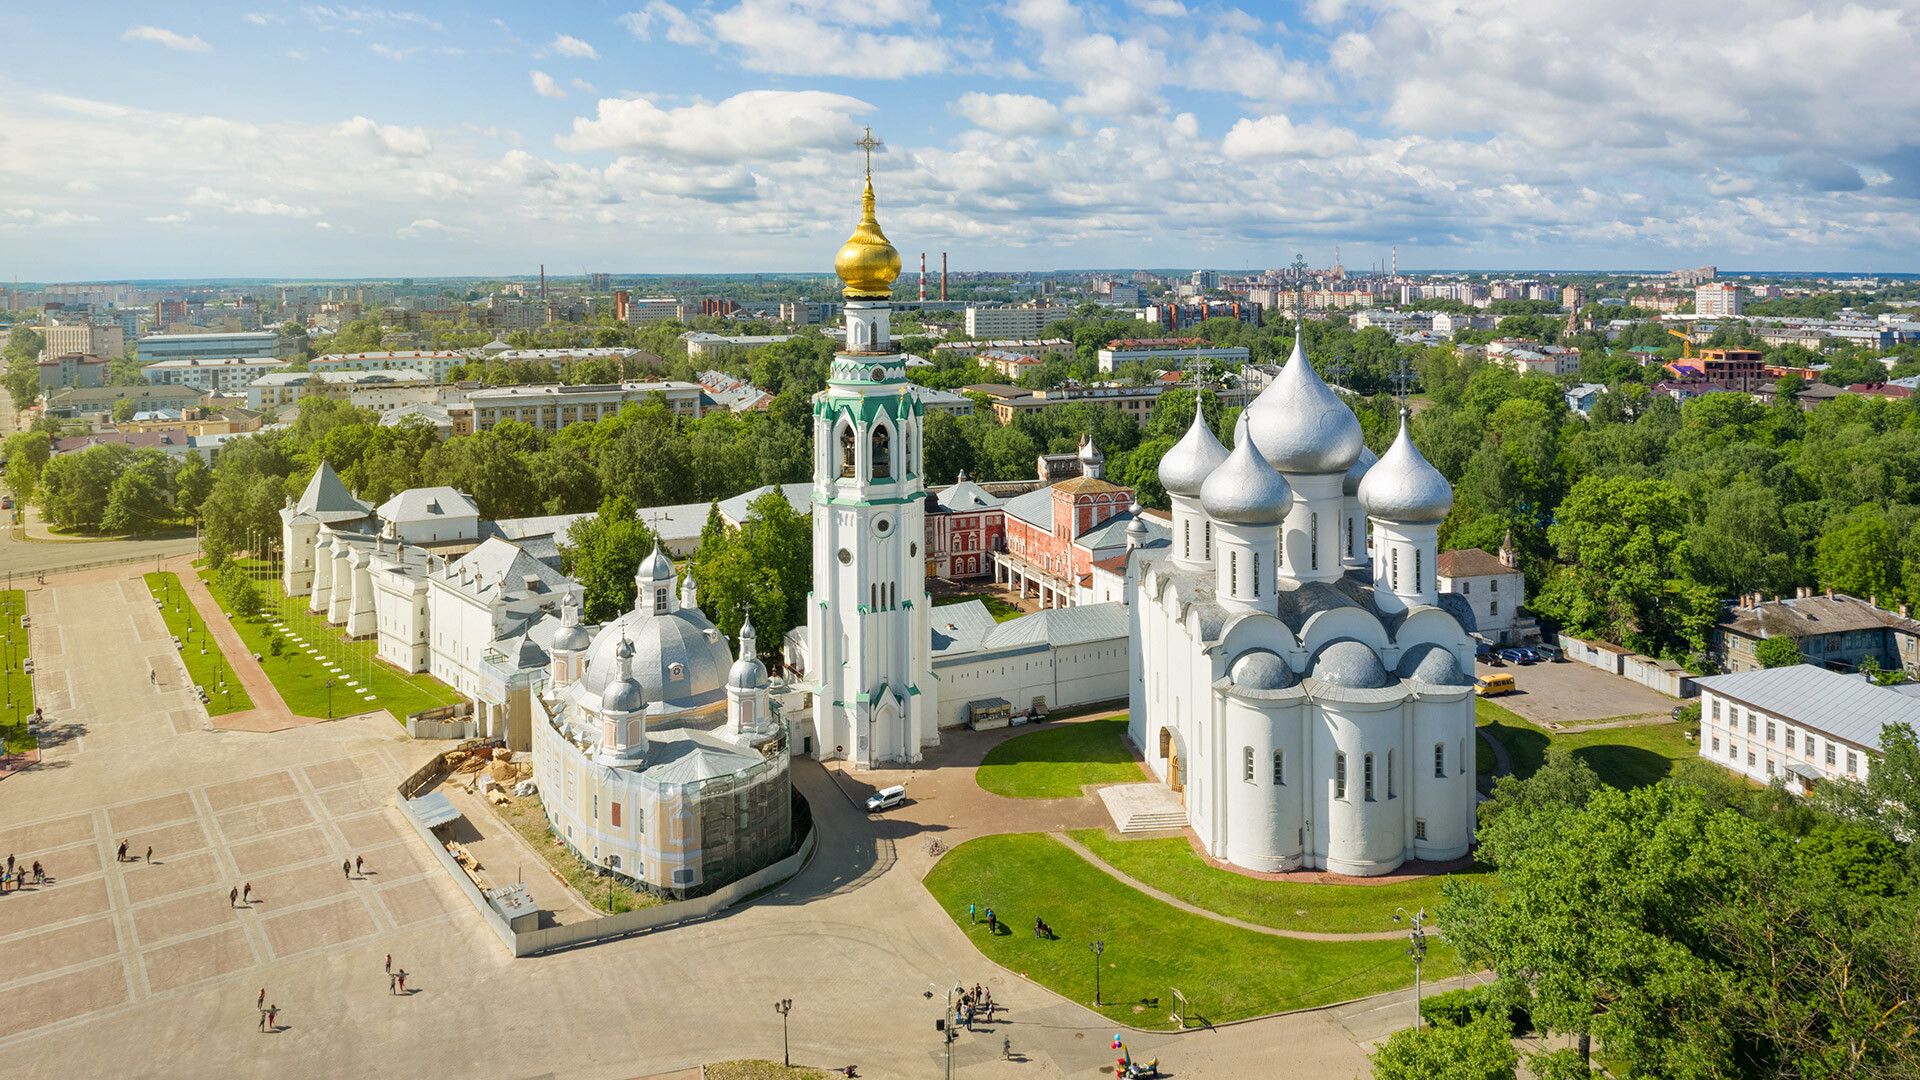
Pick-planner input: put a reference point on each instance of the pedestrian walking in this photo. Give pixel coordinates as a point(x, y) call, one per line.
point(39, 875)
point(357, 861)
point(247, 893)
point(346, 869)
point(121, 857)
point(389, 963)
point(233, 897)
point(402, 975)
point(149, 853)
point(263, 1019)
point(153, 677)
point(9, 864)
point(971, 916)
point(392, 981)
point(273, 1018)
point(261, 1002)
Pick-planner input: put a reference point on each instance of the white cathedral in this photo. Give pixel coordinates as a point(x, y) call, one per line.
point(1304, 691)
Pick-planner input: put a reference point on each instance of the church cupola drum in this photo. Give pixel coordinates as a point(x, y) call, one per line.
point(868, 639)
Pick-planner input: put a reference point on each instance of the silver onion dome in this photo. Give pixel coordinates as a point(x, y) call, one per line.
point(1245, 490)
point(1402, 487)
point(1366, 461)
point(1185, 467)
point(623, 695)
point(1301, 424)
point(655, 566)
point(1260, 669)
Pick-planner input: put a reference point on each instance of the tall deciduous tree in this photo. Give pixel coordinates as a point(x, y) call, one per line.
point(602, 553)
point(1481, 1049)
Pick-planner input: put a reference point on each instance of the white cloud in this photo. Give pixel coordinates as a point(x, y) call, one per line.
point(1160, 9)
point(387, 138)
point(423, 226)
point(1011, 114)
point(680, 28)
point(1278, 137)
point(259, 206)
point(166, 37)
point(180, 218)
point(393, 53)
point(573, 47)
point(323, 225)
point(581, 85)
point(543, 85)
point(258, 19)
point(34, 219)
point(756, 125)
point(335, 16)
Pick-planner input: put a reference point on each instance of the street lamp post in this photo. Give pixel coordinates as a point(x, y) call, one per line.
point(329, 699)
point(1098, 947)
point(783, 1007)
point(1417, 949)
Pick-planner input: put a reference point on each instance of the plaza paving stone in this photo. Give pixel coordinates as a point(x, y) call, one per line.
point(854, 939)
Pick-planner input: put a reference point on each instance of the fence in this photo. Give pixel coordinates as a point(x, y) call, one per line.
point(535, 942)
point(1662, 675)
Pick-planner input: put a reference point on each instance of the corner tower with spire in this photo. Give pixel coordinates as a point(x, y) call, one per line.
point(868, 639)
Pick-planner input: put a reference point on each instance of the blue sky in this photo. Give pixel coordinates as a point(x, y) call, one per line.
point(316, 140)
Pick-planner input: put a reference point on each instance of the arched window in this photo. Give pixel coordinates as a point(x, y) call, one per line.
point(1418, 562)
point(882, 453)
point(846, 452)
point(1440, 760)
point(1463, 755)
point(1186, 539)
point(1349, 538)
point(634, 731)
point(1246, 764)
point(659, 601)
point(1366, 767)
point(1396, 569)
point(1233, 573)
point(1279, 766)
point(1256, 573)
point(1340, 776)
point(906, 452)
point(1390, 791)
point(1313, 541)
point(1206, 540)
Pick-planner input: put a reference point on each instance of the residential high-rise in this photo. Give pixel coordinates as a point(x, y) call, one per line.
point(1724, 301)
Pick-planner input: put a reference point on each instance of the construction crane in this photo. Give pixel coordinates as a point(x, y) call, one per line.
point(1686, 344)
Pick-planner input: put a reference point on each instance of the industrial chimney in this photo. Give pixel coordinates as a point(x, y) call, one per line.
point(943, 275)
point(923, 277)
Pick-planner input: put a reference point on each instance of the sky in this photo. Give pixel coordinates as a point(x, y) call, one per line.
point(295, 140)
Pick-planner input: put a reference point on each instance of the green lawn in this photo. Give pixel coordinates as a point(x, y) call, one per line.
point(1626, 757)
point(996, 607)
point(1227, 973)
point(207, 665)
point(301, 678)
point(18, 685)
point(1053, 763)
point(1171, 866)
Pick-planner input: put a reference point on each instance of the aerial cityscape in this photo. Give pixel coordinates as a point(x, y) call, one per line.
point(768, 539)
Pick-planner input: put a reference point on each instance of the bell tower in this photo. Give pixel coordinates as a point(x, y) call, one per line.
point(868, 638)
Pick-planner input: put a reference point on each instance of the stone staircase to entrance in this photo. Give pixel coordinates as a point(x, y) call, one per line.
point(1144, 807)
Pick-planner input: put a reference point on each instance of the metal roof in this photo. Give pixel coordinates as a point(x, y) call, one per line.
point(434, 808)
point(1847, 707)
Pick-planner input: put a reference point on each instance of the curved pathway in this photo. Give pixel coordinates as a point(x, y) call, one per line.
point(1166, 898)
point(1502, 761)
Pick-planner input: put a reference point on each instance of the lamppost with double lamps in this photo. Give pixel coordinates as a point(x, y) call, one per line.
point(1417, 949)
point(1098, 947)
point(783, 1007)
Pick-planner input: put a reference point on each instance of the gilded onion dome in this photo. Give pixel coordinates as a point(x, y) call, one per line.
point(1185, 467)
point(1245, 490)
point(1403, 487)
point(867, 262)
point(1301, 424)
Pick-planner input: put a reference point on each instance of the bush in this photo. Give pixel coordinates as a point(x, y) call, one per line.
point(1459, 1007)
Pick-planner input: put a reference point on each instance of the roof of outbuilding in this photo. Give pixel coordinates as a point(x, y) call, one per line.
point(1471, 562)
point(1809, 615)
point(426, 504)
point(1846, 707)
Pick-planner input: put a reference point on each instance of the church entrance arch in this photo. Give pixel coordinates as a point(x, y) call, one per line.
point(1170, 750)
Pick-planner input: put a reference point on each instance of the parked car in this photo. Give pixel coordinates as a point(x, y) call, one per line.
point(1482, 651)
point(1515, 656)
point(886, 799)
point(1494, 684)
point(1534, 656)
point(1552, 652)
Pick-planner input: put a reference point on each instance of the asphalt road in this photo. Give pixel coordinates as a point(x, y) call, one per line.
point(20, 558)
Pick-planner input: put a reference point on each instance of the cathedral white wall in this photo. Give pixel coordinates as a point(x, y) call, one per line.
point(322, 591)
point(1446, 803)
point(400, 609)
point(340, 600)
point(1364, 835)
point(296, 547)
point(1263, 819)
point(1066, 677)
point(1310, 537)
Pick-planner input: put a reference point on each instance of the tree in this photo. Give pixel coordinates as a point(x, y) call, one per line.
point(1777, 652)
point(1619, 537)
point(123, 409)
point(241, 596)
point(1889, 799)
point(26, 453)
point(1481, 1049)
point(602, 553)
point(1860, 557)
point(138, 500)
point(1563, 781)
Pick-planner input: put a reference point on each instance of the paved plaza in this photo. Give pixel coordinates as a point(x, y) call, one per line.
point(1573, 693)
point(137, 969)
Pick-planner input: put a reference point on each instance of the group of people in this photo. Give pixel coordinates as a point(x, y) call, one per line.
point(1040, 927)
point(976, 1004)
point(17, 875)
point(122, 856)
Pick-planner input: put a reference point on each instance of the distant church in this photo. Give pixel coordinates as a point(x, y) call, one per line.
point(1306, 693)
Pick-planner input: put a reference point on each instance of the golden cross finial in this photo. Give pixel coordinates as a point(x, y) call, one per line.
point(869, 144)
